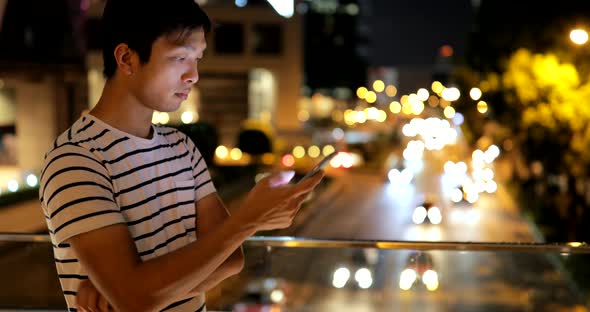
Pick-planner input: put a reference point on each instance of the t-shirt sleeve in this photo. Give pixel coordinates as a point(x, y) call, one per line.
point(76, 193)
point(203, 183)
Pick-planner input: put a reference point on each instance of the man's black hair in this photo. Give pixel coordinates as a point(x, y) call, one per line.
point(138, 23)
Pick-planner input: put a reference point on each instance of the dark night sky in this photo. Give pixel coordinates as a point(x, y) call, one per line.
point(406, 32)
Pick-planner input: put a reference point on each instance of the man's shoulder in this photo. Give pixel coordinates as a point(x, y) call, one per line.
point(81, 137)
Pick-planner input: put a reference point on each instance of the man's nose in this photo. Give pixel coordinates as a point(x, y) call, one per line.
point(191, 76)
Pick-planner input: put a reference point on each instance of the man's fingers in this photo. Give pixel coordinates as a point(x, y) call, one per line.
point(309, 184)
point(82, 297)
point(103, 304)
point(296, 203)
point(302, 198)
point(87, 297)
point(92, 304)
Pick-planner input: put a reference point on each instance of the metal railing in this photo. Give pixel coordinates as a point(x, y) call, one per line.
point(469, 270)
point(298, 242)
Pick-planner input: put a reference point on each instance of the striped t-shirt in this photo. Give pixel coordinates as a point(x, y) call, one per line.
point(96, 175)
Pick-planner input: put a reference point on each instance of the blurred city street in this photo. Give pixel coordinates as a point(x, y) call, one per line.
point(460, 132)
point(363, 204)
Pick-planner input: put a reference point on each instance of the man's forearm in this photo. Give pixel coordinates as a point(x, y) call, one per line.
point(232, 266)
point(158, 282)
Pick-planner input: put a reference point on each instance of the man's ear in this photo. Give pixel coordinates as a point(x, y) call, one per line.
point(124, 57)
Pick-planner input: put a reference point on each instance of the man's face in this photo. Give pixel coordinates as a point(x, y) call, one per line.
point(166, 79)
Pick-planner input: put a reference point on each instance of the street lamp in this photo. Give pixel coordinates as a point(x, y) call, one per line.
point(579, 36)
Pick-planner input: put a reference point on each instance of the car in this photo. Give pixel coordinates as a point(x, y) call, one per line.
point(427, 211)
point(419, 268)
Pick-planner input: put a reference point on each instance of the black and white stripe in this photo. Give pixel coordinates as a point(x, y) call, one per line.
point(96, 176)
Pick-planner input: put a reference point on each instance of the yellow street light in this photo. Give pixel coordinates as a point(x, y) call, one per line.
point(371, 97)
point(579, 36)
point(437, 87)
point(328, 149)
point(299, 151)
point(482, 107)
point(381, 116)
point(407, 108)
point(449, 112)
point(221, 152)
point(378, 85)
point(361, 92)
point(235, 154)
point(395, 107)
point(313, 151)
point(391, 91)
point(404, 99)
point(164, 118)
point(187, 117)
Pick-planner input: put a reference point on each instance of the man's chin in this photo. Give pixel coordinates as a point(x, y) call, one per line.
point(171, 106)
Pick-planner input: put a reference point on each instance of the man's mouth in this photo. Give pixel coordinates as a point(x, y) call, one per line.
point(182, 96)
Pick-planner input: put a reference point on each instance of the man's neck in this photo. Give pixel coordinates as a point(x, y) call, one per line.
point(121, 110)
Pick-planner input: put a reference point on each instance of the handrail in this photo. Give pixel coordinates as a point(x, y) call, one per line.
point(298, 242)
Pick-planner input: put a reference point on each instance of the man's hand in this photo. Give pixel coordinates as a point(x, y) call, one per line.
point(89, 299)
point(273, 203)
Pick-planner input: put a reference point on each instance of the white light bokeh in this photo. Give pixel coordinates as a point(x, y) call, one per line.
point(32, 180)
point(430, 279)
point(407, 279)
point(340, 278)
point(364, 278)
point(419, 215)
point(12, 186)
point(434, 215)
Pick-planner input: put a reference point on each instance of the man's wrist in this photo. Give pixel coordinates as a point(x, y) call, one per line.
point(242, 224)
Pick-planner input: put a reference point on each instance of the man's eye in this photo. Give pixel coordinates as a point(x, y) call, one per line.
point(180, 58)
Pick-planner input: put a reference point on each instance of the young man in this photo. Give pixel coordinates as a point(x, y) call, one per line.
point(135, 221)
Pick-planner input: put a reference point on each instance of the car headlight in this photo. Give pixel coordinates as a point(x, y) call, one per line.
point(434, 215)
point(419, 215)
point(430, 279)
point(407, 279)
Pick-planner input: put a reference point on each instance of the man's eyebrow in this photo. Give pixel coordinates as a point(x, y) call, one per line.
point(188, 47)
point(192, 48)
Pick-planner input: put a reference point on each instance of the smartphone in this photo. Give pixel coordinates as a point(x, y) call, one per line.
point(319, 166)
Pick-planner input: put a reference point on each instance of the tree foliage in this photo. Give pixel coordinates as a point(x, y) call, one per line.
point(552, 96)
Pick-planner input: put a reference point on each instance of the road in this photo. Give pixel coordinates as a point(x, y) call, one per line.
point(363, 205)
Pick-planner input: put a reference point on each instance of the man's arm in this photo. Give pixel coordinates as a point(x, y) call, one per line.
point(212, 213)
point(114, 266)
